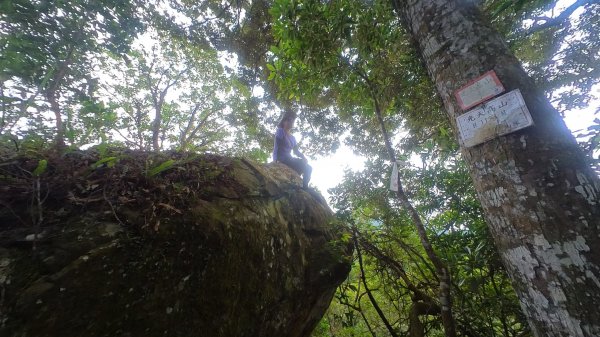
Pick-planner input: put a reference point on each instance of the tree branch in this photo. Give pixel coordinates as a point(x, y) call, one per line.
point(368, 291)
point(441, 269)
point(558, 20)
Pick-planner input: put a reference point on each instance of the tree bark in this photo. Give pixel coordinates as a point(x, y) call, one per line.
point(540, 197)
point(415, 327)
point(156, 126)
point(60, 127)
point(52, 92)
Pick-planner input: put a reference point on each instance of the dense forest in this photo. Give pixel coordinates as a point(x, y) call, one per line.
point(431, 259)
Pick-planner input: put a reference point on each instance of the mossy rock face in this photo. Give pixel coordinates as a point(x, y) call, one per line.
point(207, 246)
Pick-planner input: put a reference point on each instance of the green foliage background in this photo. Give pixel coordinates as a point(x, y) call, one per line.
point(214, 76)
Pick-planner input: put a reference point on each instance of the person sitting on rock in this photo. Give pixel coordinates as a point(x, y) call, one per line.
point(284, 144)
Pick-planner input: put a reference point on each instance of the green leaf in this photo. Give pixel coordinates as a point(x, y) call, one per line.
point(109, 161)
point(161, 168)
point(41, 168)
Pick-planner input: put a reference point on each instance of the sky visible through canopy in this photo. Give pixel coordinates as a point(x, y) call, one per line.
point(329, 171)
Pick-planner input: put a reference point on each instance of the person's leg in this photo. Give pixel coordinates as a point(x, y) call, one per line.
point(293, 163)
point(299, 166)
point(306, 175)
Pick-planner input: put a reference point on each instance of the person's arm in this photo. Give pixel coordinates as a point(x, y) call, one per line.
point(297, 151)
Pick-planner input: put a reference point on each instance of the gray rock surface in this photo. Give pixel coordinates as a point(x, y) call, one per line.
point(208, 246)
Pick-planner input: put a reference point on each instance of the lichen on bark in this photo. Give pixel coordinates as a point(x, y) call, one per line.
point(539, 195)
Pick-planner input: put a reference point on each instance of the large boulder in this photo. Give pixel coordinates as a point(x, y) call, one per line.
point(134, 244)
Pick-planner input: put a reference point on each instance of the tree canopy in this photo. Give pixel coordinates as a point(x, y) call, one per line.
point(214, 76)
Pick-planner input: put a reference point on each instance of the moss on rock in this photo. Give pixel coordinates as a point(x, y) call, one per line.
point(205, 245)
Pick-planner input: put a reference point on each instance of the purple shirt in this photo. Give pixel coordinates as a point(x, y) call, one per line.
point(284, 144)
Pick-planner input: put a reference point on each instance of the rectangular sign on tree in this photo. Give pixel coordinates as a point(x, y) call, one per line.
point(500, 116)
point(478, 90)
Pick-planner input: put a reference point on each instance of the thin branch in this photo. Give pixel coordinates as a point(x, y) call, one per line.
point(200, 125)
point(441, 269)
point(185, 132)
point(40, 211)
point(558, 20)
point(111, 207)
point(127, 140)
point(368, 291)
point(396, 267)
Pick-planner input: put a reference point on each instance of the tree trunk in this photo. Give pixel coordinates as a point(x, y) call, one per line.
point(156, 128)
point(415, 327)
point(540, 197)
point(441, 269)
point(60, 127)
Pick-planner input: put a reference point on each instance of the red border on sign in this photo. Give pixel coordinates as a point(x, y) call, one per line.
point(489, 73)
